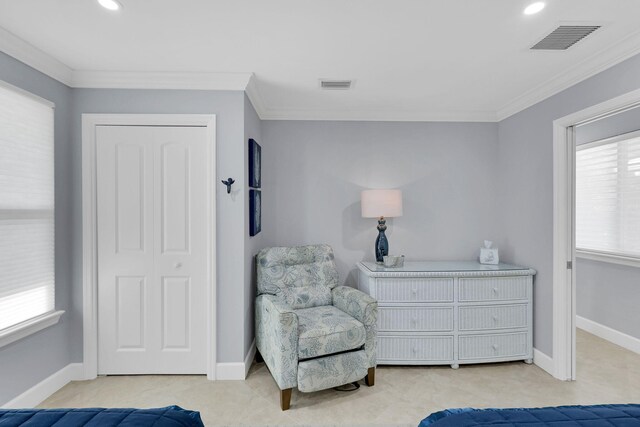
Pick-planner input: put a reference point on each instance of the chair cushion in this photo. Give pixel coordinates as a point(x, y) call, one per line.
point(301, 276)
point(327, 330)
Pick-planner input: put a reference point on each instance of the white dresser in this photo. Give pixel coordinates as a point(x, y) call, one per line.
point(448, 313)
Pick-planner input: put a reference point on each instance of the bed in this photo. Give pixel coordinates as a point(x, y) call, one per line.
point(171, 416)
point(560, 416)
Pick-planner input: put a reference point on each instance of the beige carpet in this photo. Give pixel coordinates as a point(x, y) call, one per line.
point(401, 396)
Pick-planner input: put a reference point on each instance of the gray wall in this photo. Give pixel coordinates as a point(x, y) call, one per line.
point(448, 173)
point(24, 363)
point(526, 181)
point(229, 109)
point(253, 129)
point(608, 293)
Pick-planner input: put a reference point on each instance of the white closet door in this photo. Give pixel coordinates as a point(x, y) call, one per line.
point(151, 249)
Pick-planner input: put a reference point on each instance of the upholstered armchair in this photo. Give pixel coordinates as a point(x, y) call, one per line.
point(312, 333)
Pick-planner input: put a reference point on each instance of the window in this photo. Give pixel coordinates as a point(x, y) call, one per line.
point(608, 196)
point(26, 207)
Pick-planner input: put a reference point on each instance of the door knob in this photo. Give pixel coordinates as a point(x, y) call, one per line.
point(178, 265)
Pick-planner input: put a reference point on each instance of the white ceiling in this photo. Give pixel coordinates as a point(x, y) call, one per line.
point(410, 59)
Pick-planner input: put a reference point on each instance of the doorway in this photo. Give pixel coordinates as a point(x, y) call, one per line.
point(149, 244)
point(564, 223)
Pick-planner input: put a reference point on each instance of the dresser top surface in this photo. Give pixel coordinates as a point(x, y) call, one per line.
point(417, 267)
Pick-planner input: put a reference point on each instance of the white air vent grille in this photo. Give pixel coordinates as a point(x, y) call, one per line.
point(335, 84)
point(564, 37)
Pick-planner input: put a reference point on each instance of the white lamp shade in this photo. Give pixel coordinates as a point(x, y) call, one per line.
point(377, 203)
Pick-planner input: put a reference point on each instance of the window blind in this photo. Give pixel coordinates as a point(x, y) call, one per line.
point(26, 207)
point(608, 196)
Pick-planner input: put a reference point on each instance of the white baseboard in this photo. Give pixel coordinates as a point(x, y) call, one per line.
point(236, 370)
point(248, 361)
point(543, 361)
point(45, 388)
point(609, 334)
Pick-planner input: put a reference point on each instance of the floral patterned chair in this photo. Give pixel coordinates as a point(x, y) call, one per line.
point(312, 333)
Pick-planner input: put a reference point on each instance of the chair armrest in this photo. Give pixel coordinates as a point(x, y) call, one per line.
point(363, 308)
point(277, 339)
point(356, 303)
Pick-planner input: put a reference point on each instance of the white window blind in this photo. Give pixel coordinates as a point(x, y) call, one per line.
point(608, 196)
point(26, 207)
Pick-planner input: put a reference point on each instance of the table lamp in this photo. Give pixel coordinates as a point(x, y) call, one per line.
point(380, 204)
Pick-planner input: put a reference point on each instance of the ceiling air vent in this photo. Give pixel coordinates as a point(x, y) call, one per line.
point(565, 36)
point(335, 84)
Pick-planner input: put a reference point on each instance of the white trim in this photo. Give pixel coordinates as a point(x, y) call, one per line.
point(45, 388)
point(609, 334)
point(608, 258)
point(47, 64)
point(562, 277)
point(253, 93)
point(543, 361)
point(89, 230)
point(564, 289)
point(25, 52)
point(160, 80)
point(580, 71)
point(380, 115)
point(248, 361)
point(230, 371)
point(28, 327)
point(237, 370)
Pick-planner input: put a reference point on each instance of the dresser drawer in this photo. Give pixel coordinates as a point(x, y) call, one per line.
point(426, 319)
point(414, 290)
point(492, 346)
point(481, 317)
point(413, 348)
point(494, 288)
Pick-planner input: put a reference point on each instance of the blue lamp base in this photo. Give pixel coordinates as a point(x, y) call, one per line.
point(382, 244)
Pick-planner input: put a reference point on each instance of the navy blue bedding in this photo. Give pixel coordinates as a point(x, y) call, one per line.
point(560, 416)
point(171, 416)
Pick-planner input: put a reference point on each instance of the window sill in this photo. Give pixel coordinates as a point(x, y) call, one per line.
point(609, 258)
point(28, 327)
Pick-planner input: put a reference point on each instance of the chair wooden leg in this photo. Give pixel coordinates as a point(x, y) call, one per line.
point(370, 379)
point(285, 399)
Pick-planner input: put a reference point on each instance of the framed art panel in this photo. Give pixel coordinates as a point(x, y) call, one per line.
point(255, 212)
point(255, 164)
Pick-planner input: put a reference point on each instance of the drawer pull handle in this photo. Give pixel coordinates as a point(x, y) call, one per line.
point(495, 290)
point(495, 347)
point(414, 291)
point(495, 318)
point(414, 349)
point(414, 320)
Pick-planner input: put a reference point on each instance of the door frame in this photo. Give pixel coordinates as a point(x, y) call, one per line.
point(564, 287)
point(89, 225)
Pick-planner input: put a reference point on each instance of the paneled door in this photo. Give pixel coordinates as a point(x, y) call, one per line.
point(152, 249)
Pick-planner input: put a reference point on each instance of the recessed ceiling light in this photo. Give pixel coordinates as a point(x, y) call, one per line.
point(110, 4)
point(534, 8)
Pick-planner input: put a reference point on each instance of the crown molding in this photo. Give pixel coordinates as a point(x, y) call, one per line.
point(245, 81)
point(160, 80)
point(25, 52)
point(256, 99)
point(581, 71)
point(380, 115)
